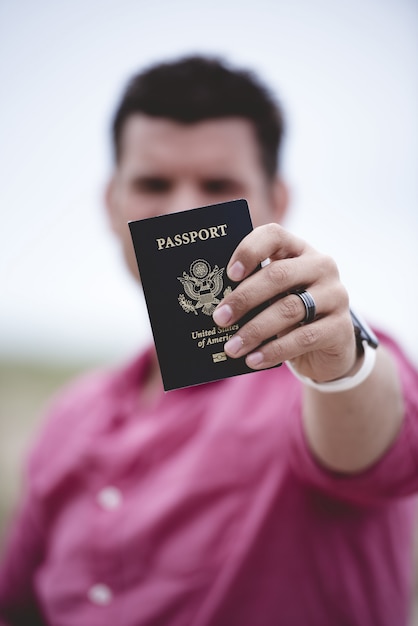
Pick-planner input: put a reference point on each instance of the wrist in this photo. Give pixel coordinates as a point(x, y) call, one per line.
point(358, 362)
point(360, 372)
point(367, 343)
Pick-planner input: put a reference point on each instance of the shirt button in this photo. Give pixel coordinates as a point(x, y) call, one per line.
point(109, 498)
point(100, 594)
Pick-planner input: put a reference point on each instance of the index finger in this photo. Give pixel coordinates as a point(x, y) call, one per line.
point(270, 241)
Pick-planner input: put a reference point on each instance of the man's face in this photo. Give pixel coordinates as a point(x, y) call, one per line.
point(166, 166)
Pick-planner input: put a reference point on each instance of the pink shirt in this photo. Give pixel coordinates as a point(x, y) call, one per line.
point(207, 510)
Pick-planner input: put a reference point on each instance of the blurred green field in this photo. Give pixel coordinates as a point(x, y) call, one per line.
point(25, 389)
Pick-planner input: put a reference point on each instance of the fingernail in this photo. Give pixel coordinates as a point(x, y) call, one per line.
point(236, 271)
point(234, 345)
point(222, 315)
point(254, 359)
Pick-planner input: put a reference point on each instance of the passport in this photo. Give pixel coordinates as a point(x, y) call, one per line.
point(182, 259)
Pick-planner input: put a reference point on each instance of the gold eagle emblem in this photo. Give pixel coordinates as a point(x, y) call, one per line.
point(202, 285)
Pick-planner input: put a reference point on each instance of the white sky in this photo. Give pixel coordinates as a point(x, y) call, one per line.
point(347, 75)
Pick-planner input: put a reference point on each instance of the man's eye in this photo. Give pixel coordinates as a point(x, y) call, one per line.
point(221, 185)
point(151, 184)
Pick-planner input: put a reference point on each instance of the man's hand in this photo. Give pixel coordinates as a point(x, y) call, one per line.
point(323, 350)
point(348, 430)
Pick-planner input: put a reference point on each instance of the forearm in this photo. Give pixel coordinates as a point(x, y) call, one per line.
point(347, 430)
point(350, 430)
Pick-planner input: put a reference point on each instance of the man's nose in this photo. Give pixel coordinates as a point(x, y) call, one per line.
point(186, 197)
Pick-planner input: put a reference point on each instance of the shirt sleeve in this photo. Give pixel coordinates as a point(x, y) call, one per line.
point(26, 543)
point(21, 556)
point(394, 475)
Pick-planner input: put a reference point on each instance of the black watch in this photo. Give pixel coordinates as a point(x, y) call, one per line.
point(363, 332)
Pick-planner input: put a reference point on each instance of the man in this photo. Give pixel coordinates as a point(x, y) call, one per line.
point(255, 500)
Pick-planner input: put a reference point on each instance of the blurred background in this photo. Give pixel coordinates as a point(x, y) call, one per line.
point(347, 76)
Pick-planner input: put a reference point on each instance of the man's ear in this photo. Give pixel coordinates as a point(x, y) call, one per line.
point(280, 199)
point(111, 203)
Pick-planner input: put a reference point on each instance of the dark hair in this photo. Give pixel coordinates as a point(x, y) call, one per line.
point(197, 88)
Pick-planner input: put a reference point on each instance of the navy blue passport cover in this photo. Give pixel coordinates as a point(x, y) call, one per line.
point(182, 259)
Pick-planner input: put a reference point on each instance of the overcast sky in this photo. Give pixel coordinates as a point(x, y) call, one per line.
point(347, 75)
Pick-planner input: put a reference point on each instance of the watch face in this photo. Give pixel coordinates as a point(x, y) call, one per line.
point(363, 330)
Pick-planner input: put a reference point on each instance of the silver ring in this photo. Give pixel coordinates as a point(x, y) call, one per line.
point(310, 306)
